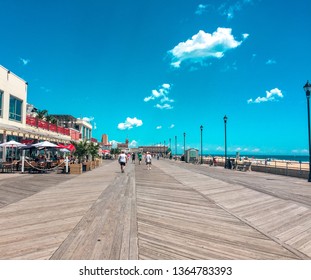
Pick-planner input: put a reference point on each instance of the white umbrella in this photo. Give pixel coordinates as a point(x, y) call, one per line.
point(12, 143)
point(64, 150)
point(45, 144)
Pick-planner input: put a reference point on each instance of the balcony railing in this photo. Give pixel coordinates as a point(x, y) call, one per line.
point(35, 122)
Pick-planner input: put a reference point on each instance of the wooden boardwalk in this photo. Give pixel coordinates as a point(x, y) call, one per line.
point(174, 211)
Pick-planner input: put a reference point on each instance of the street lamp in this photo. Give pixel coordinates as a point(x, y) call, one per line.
point(184, 145)
point(307, 88)
point(201, 127)
point(225, 121)
point(175, 147)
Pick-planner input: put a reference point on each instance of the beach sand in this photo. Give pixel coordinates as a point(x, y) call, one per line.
point(295, 165)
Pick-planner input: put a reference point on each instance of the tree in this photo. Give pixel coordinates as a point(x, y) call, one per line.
point(51, 119)
point(42, 114)
point(93, 149)
point(81, 150)
point(115, 151)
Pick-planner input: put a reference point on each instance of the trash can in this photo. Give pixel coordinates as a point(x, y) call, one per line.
point(228, 164)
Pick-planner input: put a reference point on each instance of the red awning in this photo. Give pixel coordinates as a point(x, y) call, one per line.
point(70, 147)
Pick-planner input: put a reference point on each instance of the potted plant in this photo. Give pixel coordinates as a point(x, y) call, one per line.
point(93, 151)
point(81, 150)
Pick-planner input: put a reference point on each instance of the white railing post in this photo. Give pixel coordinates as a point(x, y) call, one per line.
point(23, 161)
point(66, 164)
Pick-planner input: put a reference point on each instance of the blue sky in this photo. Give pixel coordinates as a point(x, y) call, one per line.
point(152, 70)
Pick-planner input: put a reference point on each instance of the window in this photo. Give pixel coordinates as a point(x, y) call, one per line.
point(15, 109)
point(1, 102)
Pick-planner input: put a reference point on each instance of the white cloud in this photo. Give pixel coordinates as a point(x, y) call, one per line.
point(204, 45)
point(133, 144)
point(172, 125)
point(130, 123)
point(167, 86)
point(114, 143)
point(161, 94)
point(229, 10)
point(45, 89)
point(200, 9)
point(87, 119)
point(272, 95)
point(159, 127)
point(24, 61)
point(164, 106)
point(163, 91)
point(271, 61)
point(146, 99)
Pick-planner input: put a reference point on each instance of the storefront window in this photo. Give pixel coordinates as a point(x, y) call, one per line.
point(15, 109)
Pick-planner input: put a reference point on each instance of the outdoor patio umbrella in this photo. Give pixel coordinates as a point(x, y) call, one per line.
point(12, 143)
point(45, 144)
point(64, 150)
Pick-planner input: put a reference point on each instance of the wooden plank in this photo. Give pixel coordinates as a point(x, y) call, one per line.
point(167, 232)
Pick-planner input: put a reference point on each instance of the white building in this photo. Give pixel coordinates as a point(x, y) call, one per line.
point(14, 122)
point(13, 100)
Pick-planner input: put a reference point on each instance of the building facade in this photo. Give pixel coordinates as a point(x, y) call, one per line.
point(123, 146)
point(18, 120)
point(104, 139)
point(154, 149)
point(80, 125)
point(13, 100)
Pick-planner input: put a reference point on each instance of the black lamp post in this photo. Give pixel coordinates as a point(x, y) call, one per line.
point(201, 128)
point(225, 122)
point(175, 147)
point(184, 145)
point(307, 88)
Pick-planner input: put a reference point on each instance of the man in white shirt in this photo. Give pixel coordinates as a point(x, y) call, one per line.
point(148, 160)
point(122, 160)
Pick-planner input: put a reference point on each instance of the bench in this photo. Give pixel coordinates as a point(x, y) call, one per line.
point(243, 166)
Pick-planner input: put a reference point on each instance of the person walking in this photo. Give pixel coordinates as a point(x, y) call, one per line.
point(148, 160)
point(133, 157)
point(122, 160)
point(139, 157)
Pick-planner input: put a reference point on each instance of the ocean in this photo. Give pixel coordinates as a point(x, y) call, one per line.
point(276, 157)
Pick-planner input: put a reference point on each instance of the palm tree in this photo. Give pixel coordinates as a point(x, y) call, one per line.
point(42, 114)
point(51, 119)
point(93, 149)
point(81, 150)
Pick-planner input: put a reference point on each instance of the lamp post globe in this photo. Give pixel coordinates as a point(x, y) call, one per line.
point(307, 88)
point(225, 122)
point(201, 128)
